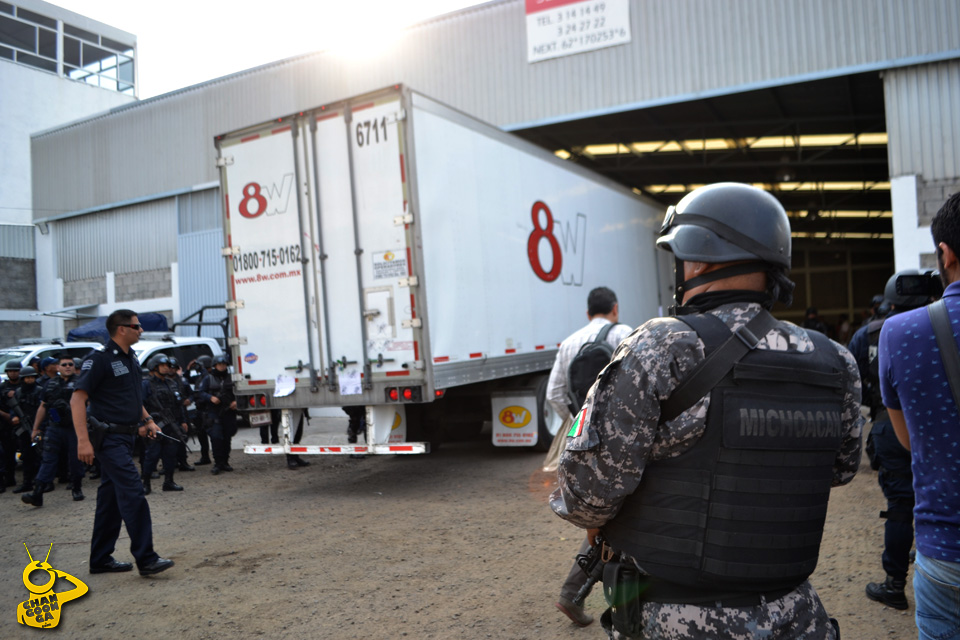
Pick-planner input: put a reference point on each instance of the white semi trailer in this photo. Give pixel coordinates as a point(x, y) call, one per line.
point(391, 252)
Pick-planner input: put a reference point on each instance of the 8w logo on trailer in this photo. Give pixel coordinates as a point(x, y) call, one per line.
point(272, 199)
point(557, 244)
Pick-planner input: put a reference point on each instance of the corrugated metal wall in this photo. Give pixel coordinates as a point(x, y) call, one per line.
point(199, 211)
point(203, 280)
point(16, 241)
point(123, 240)
point(476, 61)
point(923, 120)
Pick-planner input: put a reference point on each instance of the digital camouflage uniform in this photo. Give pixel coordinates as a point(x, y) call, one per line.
point(620, 434)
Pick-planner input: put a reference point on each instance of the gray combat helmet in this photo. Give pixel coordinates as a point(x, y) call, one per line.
point(28, 372)
point(156, 361)
point(727, 222)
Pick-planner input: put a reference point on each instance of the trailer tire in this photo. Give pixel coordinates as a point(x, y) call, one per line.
point(422, 426)
point(544, 412)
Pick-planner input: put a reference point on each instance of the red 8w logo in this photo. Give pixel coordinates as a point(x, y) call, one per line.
point(267, 198)
point(252, 192)
point(539, 233)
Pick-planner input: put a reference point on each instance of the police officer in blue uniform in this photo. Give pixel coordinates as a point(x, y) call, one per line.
point(111, 381)
point(58, 436)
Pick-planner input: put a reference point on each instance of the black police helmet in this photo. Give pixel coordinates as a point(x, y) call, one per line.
point(727, 222)
point(205, 361)
point(77, 362)
point(157, 360)
point(13, 365)
point(174, 363)
point(221, 359)
point(28, 372)
point(900, 300)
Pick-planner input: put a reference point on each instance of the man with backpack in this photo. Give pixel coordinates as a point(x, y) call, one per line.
point(580, 358)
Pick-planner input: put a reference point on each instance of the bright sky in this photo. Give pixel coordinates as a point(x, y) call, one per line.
point(181, 42)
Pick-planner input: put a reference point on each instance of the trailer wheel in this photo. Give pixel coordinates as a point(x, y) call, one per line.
point(546, 417)
point(422, 426)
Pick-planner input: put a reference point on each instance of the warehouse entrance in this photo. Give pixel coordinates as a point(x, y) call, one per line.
point(819, 146)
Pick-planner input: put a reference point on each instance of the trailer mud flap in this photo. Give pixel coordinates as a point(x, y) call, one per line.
point(386, 424)
point(515, 420)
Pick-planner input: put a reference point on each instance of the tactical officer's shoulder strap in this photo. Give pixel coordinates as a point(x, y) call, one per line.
point(947, 345)
point(720, 359)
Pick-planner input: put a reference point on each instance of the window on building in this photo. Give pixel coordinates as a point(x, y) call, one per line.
point(32, 39)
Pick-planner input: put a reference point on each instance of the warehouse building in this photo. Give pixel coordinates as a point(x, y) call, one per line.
point(56, 67)
point(845, 109)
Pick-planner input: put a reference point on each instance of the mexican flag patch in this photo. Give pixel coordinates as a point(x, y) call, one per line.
point(577, 427)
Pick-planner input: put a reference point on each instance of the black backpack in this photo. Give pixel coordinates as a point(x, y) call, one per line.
point(587, 365)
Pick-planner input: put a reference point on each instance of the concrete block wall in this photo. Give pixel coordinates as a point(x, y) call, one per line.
point(89, 291)
point(144, 285)
point(12, 331)
point(931, 196)
point(22, 275)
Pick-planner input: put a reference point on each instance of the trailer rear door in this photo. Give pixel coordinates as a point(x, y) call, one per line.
point(370, 317)
point(267, 253)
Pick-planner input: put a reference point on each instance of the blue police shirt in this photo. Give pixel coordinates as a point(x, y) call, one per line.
point(112, 380)
point(913, 380)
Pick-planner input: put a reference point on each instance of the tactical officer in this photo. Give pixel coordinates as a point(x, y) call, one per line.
point(887, 455)
point(25, 412)
point(220, 412)
point(184, 397)
point(49, 370)
point(111, 381)
point(199, 370)
point(706, 450)
point(55, 408)
point(8, 425)
point(161, 399)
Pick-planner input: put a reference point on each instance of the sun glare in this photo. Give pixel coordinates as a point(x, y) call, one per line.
point(365, 29)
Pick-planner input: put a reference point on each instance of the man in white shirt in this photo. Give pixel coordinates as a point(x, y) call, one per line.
point(602, 309)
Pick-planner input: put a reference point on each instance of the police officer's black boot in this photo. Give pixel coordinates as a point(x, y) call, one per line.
point(146, 486)
point(77, 492)
point(170, 485)
point(35, 498)
point(889, 592)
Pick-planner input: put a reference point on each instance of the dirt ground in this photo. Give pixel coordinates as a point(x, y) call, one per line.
point(457, 544)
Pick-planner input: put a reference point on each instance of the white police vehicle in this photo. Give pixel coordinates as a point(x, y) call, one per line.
point(185, 349)
point(30, 348)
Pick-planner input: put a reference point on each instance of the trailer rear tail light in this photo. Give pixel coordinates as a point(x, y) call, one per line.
point(404, 394)
point(257, 399)
point(439, 393)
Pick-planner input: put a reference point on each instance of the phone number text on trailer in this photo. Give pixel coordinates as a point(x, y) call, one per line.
point(272, 257)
